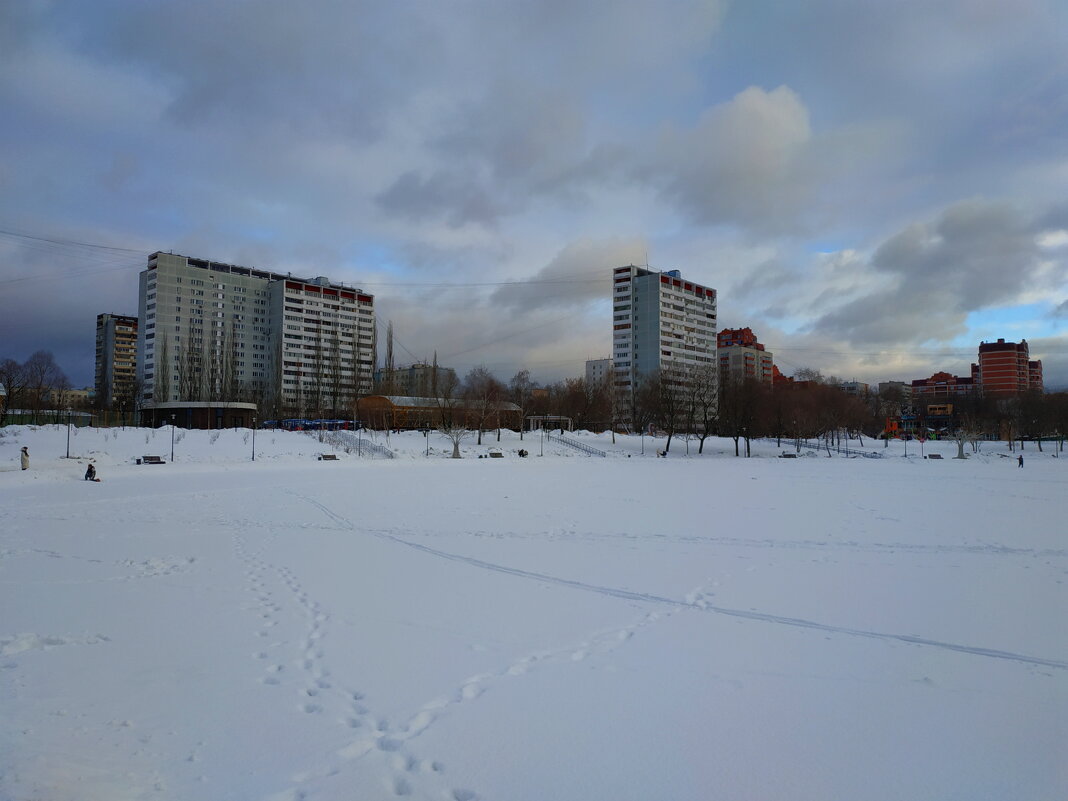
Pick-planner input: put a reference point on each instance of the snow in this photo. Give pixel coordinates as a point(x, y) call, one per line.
point(559, 626)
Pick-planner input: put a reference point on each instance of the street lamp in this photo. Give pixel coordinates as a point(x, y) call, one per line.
point(68, 432)
point(172, 437)
point(123, 415)
point(253, 437)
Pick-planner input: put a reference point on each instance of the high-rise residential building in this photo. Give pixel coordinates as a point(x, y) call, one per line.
point(660, 322)
point(598, 371)
point(417, 380)
point(212, 331)
point(116, 360)
point(742, 357)
point(1005, 368)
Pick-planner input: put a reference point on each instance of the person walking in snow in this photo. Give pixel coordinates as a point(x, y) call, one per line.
point(1019, 460)
point(25, 457)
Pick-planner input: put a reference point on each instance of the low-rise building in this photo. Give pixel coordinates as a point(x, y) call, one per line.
point(598, 371)
point(416, 380)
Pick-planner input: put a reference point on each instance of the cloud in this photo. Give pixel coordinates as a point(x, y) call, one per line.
point(580, 274)
point(976, 255)
point(741, 162)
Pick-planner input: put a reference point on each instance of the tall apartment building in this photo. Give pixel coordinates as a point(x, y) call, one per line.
point(1005, 368)
point(742, 357)
point(212, 331)
point(660, 321)
point(116, 360)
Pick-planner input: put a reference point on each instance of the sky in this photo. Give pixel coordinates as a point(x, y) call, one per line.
point(873, 188)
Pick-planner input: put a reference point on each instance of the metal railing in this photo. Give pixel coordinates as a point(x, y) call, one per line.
point(353, 442)
point(580, 446)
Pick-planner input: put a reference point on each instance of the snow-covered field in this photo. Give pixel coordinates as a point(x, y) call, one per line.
point(556, 627)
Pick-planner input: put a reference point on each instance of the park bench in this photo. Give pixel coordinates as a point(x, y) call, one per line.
point(788, 456)
point(496, 455)
point(150, 460)
point(327, 457)
point(934, 456)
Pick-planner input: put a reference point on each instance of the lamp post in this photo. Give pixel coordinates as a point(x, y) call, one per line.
point(172, 437)
point(68, 432)
point(253, 437)
point(542, 438)
point(123, 407)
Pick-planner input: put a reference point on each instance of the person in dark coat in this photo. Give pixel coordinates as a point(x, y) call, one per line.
point(1019, 460)
point(25, 457)
point(90, 472)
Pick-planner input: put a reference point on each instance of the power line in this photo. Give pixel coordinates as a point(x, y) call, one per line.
point(66, 242)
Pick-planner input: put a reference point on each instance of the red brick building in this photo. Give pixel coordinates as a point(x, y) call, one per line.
point(742, 357)
point(1004, 368)
point(942, 385)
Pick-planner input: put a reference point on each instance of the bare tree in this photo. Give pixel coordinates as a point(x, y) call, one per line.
point(702, 397)
point(520, 390)
point(482, 392)
point(447, 398)
point(42, 375)
point(13, 377)
point(161, 380)
point(335, 377)
point(456, 434)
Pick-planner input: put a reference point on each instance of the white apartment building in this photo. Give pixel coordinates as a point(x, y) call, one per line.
point(598, 371)
point(214, 331)
point(660, 321)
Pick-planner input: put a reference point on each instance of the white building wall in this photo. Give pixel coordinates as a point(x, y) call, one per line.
point(236, 313)
point(660, 321)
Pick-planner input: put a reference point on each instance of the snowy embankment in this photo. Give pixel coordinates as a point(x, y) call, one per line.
point(559, 626)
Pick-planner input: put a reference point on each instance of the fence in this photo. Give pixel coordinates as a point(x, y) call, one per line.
point(580, 446)
point(46, 417)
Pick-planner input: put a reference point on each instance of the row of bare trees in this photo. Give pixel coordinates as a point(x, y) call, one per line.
point(32, 386)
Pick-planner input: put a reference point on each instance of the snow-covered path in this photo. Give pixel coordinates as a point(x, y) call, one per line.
point(528, 629)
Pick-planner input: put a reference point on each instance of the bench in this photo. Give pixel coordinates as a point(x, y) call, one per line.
point(496, 455)
point(934, 456)
point(327, 457)
point(150, 460)
point(787, 455)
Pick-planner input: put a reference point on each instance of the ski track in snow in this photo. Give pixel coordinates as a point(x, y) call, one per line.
point(697, 604)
